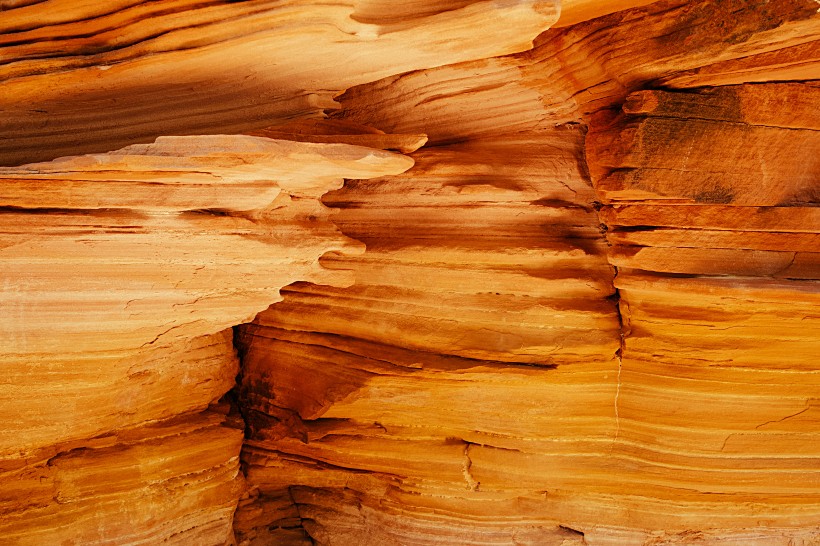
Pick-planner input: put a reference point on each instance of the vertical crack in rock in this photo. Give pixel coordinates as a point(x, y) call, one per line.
point(247, 419)
point(615, 297)
point(619, 353)
point(617, 395)
point(472, 484)
point(299, 513)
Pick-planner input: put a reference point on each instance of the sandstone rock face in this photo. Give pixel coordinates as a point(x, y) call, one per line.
point(193, 67)
point(122, 275)
point(718, 282)
point(198, 233)
point(492, 282)
point(175, 483)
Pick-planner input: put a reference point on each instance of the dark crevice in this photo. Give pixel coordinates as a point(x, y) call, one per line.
point(236, 395)
point(615, 297)
point(617, 300)
point(54, 211)
point(236, 391)
point(632, 229)
point(301, 519)
point(571, 530)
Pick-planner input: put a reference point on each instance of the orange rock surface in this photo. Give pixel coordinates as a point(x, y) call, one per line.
point(453, 272)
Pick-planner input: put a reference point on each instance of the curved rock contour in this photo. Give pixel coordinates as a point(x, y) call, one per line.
point(366, 272)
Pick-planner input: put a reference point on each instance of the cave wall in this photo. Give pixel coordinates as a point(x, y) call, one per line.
point(516, 286)
point(582, 308)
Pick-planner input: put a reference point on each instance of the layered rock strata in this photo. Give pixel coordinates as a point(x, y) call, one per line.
point(194, 67)
point(122, 275)
point(174, 482)
point(376, 417)
point(391, 411)
point(586, 314)
point(717, 254)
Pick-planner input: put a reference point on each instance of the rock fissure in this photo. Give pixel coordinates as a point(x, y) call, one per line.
point(472, 484)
